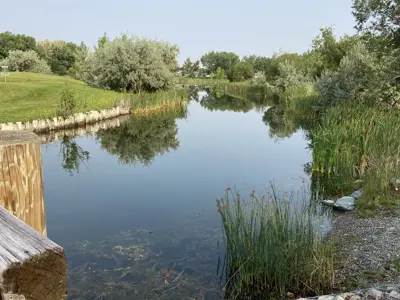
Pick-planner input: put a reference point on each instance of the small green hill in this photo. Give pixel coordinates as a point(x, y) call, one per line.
point(30, 96)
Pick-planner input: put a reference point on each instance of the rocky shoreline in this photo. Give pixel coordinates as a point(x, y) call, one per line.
point(368, 257)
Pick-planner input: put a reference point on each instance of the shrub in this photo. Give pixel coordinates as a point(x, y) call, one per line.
point(259, 79)
point(289, 75)
point(68, 101)
point(357, 79)
point(274, 246)
point(27, 61)
point(240, 72)
point(132, 64)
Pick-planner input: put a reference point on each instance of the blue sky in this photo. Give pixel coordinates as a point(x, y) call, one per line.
point(246, 27)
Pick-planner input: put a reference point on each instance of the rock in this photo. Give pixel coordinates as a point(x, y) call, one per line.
point(355, 297)
point(347, 296)
point(375, 294)
point(357, 194)
point(394, 295)
point(345, 203)
point(328, 202)
point(338, 298)
point(328, 297)
point(290, 295)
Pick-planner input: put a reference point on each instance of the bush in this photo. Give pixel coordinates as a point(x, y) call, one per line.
point(68, 102)
point(132, 64)
point(289, 75)
point(357, 79)
point(27, 61)
point(240, 72)
point(259, 79)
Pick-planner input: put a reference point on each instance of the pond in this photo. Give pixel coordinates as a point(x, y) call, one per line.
point(134, 205)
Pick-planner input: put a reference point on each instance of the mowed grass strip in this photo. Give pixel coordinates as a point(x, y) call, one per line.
point(31, 96)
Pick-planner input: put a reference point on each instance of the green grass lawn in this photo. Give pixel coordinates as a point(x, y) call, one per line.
point(30, 96)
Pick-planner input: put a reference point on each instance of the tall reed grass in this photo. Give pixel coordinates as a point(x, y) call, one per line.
point(358, 142)
point(139, 101)
point(274, 246)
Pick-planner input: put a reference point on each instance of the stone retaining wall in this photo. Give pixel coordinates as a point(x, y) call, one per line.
point(84, 130)
point(46, 125)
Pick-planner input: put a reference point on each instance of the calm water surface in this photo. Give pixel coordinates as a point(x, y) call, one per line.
point(139, 219)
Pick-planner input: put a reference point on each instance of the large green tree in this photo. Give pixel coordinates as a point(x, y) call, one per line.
point(380, 18)
point(60, 55)
point(225, 60)
point(11, 42)
point(259, 63)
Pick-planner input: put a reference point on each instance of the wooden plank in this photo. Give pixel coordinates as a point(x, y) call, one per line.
point(21, 179)
point(31, 266)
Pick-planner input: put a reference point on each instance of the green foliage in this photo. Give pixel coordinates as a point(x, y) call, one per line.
point(77, 69)
point(101, 42)
point(259, 63)
point(378, 18)
point(357, 79)
point(240, 72)
point(225, 60)
point(329, 51)
point(259, 79)
point(289, 75)
point(190, 69)
point(273, 246)
point(68, 101)
point(132, 64)
point(220, 74)
point(12, 42)
point(60, 55)
point(25, 61)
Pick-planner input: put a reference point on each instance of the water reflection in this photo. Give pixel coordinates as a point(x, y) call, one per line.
point(142, 138)
point(72, 155)
point(147, 228)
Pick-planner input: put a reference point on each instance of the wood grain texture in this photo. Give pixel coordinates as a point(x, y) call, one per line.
point(21, 180)
point(31, 266)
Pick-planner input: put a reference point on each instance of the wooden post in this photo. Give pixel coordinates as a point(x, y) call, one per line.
point(32, 267)
point(21, 181)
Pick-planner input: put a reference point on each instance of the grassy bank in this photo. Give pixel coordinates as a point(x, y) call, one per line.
point(274, 247)
point(29, 96)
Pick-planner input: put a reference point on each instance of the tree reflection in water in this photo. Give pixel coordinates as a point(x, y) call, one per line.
point(72, 155)
point(142, 138)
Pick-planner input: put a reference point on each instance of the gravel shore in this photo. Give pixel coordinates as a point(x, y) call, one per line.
point(368, 251)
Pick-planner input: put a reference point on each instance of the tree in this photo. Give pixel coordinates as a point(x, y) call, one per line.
point(259, 63)
point(378, 17)
point(220, 74)
point(190, 69)
point(102, 41)
point(225, 60)
point(60, 55)
point(132, 64)
point(329, 50)
point(25, 61)
point(240, 72)
point(11, 42)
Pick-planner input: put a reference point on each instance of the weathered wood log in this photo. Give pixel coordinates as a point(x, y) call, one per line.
point(21, 181)
point(32, 267)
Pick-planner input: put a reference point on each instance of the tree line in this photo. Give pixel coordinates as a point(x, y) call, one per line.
point(125, 63)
